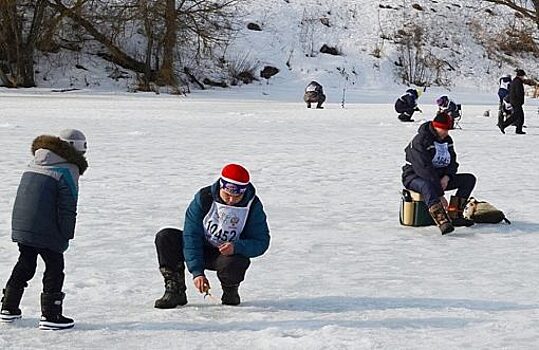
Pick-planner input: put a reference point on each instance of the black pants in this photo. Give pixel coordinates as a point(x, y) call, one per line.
point(25, 269)
point(516, 118)
point(230, 269)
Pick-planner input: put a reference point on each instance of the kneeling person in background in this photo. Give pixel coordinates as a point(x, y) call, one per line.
point(314, 93)
point(406, 105)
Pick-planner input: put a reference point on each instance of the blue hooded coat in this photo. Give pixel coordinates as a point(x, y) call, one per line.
point(45, 209)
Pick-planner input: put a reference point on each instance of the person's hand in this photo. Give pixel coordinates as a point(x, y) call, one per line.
point(444, 181)
point(444, 202)
point(201, 284)
point(226, 248)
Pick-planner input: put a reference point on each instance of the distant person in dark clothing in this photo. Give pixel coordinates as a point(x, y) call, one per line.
point(314, 93)
point(516, 98)
point(503, 91)
point(431, 169)
point(406, 105)
point(449, 106)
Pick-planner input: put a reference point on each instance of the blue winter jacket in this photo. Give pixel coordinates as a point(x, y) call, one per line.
point(254, 239)
point(407, 102)
point(420, 153)
point(45, 209)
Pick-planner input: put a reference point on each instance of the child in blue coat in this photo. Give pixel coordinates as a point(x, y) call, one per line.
point(43, 222)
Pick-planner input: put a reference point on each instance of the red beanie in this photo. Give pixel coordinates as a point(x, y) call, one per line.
point(234, 179)
point(443, 120)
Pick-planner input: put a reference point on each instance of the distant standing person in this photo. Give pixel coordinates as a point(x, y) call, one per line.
point(43, 222)
point(406, 105)
point(225, 226)
point(314, 93)
point(503, 91)
point(516, 98)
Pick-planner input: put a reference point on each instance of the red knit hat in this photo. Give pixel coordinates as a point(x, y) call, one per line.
point(443, 120)
point(234, 179)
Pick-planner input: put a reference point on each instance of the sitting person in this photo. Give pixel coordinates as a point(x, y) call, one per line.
point(314, 93)
point(431, 169)
point(225, 226)
point(449, 106)
point(406, 105)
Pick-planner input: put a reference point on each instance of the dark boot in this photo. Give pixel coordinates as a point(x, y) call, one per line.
point(10, 304)
point(455, 212)
point(174, 290)
point(405, 118)
point(51, 312)
point(441, 219)
point(230, 295)
point(308, 105)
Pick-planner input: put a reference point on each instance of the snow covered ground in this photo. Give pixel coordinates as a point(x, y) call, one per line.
point(341, 273)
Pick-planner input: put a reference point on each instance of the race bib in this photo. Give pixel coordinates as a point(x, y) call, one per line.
point(224, 223)
point(442, 157)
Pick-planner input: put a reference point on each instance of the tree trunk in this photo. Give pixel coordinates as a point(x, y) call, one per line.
point(166, 72)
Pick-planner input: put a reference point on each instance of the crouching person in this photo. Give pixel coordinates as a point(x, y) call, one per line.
point(406, 105)
point(225, 226)
point(43, 222)
point(314, 93)
point(431, 169)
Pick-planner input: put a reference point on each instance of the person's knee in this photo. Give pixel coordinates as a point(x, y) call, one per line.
point(470, 179)
point(165, 235)
point(232, 271)
point(234, 264)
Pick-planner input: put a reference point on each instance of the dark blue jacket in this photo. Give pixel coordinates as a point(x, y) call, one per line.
point(45, 209)
point(407, 102)
point(254, 239)
point(516, 92)
point(420, 153)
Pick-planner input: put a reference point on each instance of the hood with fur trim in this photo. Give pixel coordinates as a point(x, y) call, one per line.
point(62, 149)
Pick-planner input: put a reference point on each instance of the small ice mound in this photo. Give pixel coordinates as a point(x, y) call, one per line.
point(8, 126)
point(136, 133)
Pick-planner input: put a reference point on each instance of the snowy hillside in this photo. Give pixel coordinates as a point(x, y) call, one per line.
point(290, 33)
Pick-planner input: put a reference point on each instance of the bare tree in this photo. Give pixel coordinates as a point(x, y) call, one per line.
point(167, 25)
point(529, 9)
point(20, 27)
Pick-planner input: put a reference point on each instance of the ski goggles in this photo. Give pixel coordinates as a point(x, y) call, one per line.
point(232, 188)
